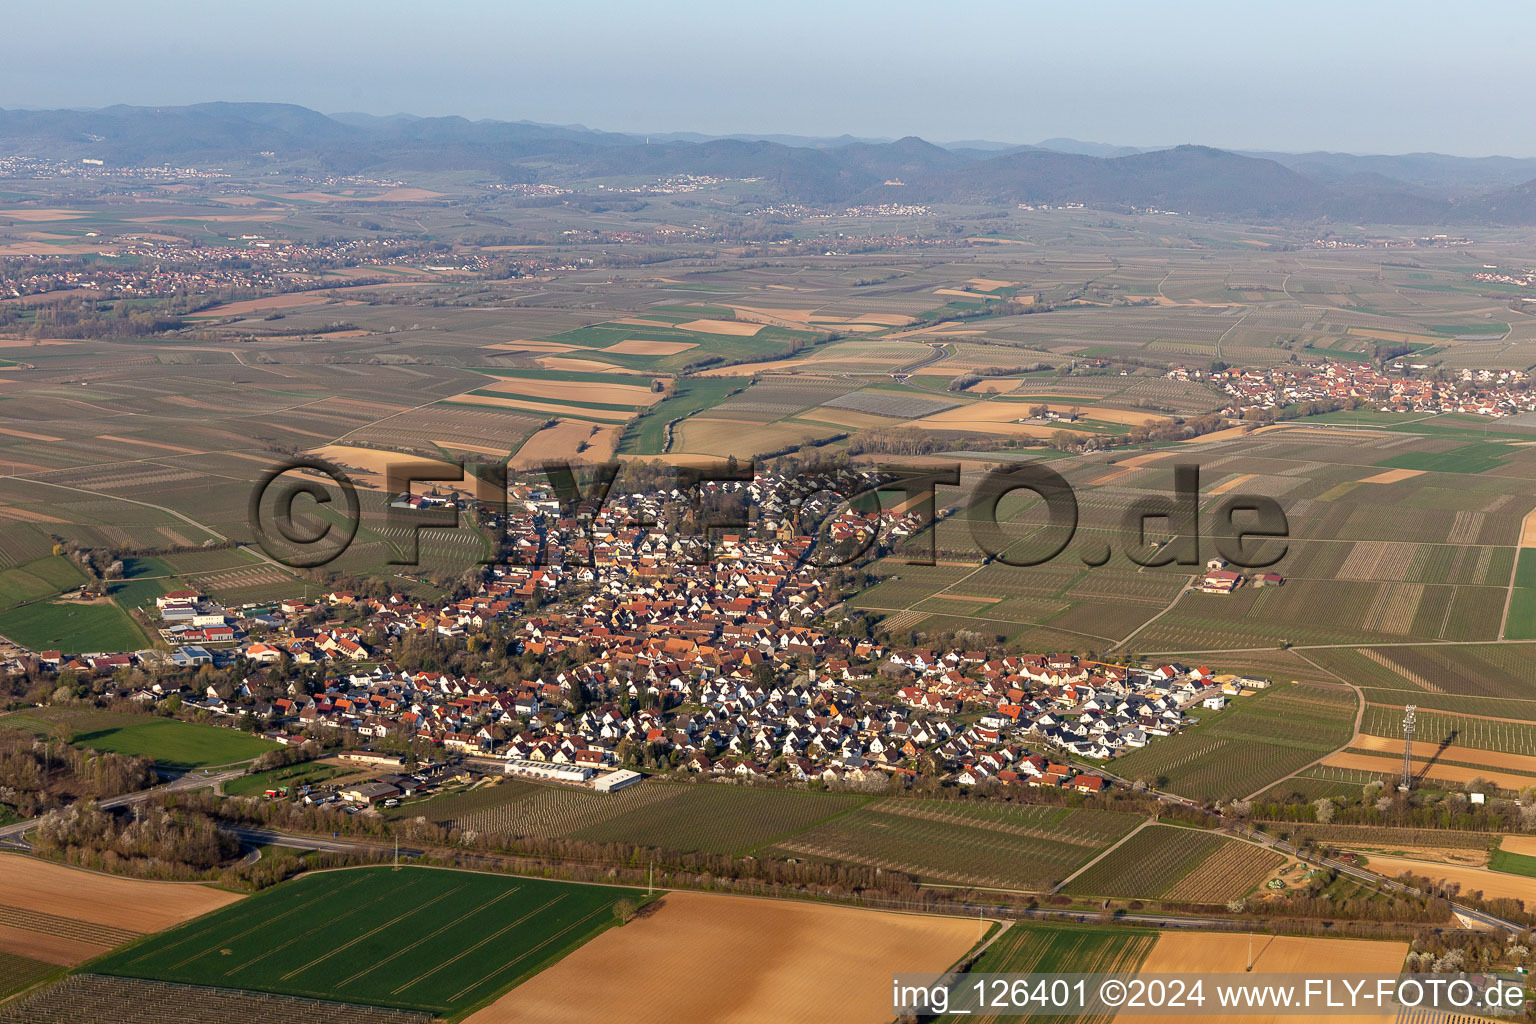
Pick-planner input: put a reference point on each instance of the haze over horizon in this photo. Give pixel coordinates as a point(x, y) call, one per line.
point(1366, 78)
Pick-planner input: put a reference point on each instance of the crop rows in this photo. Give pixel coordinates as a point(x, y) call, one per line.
point(96, 999)
point(1434, 727)
point(17, 972)
point(1150, 865)
point(64, 927)
point(946, 849)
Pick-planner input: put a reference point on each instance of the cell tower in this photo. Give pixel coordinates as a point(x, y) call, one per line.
point(1407, 782)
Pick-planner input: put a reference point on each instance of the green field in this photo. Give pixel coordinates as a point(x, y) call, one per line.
point(1513, 863)
point(72, 627)
point(169, 742)
point(1064, 948)
point(647, 434)
point(417, 938)
point(39, 578)
point(1255, 741)
point(294, 776)
point(1468, 458)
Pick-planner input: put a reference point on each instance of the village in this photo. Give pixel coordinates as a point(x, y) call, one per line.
point(647, 657)
point(1481, 392)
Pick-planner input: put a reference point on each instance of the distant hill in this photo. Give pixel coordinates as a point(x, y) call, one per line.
point(1418, 188)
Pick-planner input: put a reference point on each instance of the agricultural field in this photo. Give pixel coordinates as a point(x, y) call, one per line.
point(704, 818)
point(1181, 865)
point(801, 961)
point(1257, 740)
point(72, 627)
point(20, 972)
point(1007, 846)
point(1061, 949)
point(63, 916)
point(292, 777)
point(414, 938)
point(94, 997)
point(168, 742)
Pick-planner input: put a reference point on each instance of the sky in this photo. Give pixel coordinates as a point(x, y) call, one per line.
point(1358, 76)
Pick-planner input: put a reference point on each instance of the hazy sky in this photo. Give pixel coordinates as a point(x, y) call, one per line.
point(1365, 77)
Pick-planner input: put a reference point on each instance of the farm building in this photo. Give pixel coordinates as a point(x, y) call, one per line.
point(611, 781)
point(545, 770)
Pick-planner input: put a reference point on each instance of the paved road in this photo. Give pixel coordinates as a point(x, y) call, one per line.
point(335, 844)
point(12, 834)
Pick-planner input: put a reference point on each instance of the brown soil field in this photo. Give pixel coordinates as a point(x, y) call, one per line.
point(50, 949)
point(988, 417)
point(847, 418)
point(1392, 476)
point(26, 515)
point(48, 249)
point(1229, 485)
point(1387, 765)
point(149, 444)
point(561, 441)
point(1130, 465)
point(1183, 952)
point(533, 346)
point(1220, 435)
point(1491, 883)
point(38, 216)
point(641, 347)
point(284, 301)
point(128, 903)
point(735, 328)
point(528, 405)
point(29, 437)
point(1471, 755)
point(994, 387)
point(368, 467)
point(615, 393)
point(582, 365)
point(733, 960)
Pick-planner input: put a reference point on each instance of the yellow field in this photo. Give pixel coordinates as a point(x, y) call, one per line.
point(735, 328)
point(641, 347)
point(1448, 772)
point(1528, 531)
point(582, 365)
point(1225, 953)
point(1492, 758)
point(1490, 883)
point(1229, 485)
point(565, 440)
point(38, 216)
point(369, 467)
point(732, 960)
point(533, 346)
point(1392, 476)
